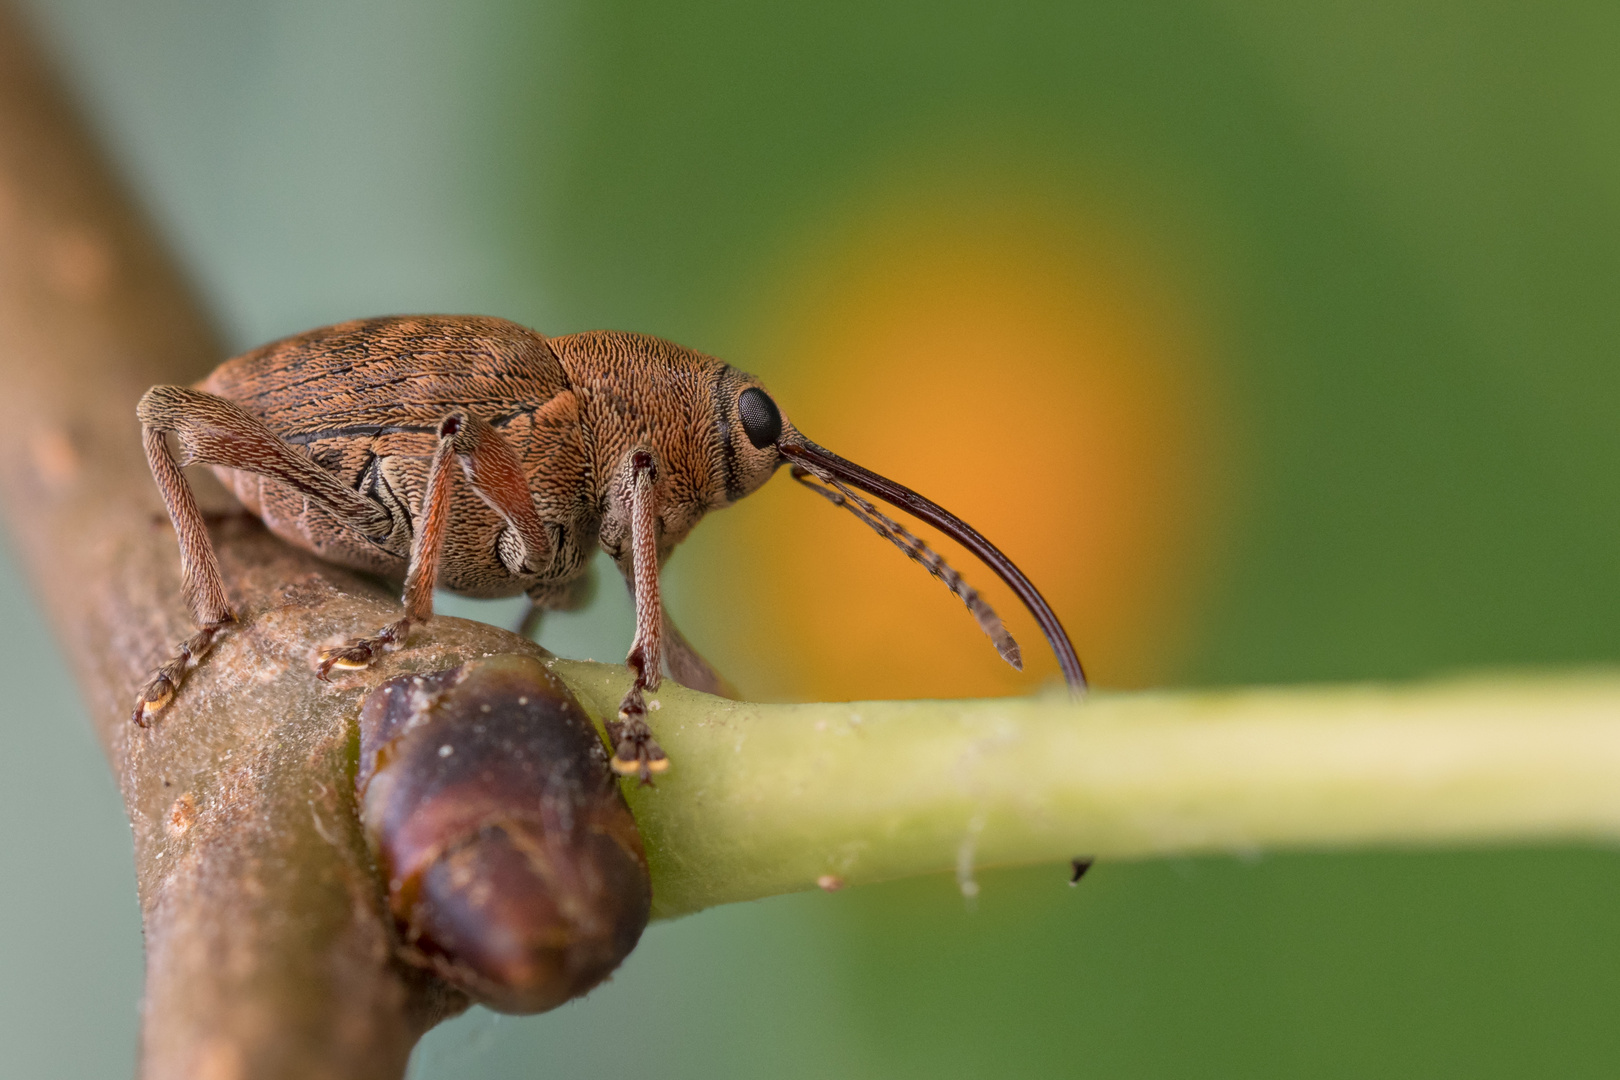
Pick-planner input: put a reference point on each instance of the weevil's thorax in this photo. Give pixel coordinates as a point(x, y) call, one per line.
point(640, 392)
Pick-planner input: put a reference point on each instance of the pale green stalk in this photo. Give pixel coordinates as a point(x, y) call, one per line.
point(766, 799)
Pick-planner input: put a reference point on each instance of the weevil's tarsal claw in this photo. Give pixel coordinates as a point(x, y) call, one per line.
point(153, 699)
point(635, 751)
point(644, 758)
point(362, 652)
point(165, 682)
point(838, 474)
point(356, 657)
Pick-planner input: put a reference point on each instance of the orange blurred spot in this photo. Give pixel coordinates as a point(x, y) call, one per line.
point(1003, 364)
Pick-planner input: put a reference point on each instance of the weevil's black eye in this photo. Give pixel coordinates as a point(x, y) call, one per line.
point(760, 420)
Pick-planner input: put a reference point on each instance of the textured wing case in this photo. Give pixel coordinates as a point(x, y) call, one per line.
point(365, 399)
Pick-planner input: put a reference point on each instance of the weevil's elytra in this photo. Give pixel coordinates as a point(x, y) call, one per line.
point(476, 455)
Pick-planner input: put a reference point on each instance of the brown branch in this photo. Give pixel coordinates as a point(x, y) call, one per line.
point(268, 948)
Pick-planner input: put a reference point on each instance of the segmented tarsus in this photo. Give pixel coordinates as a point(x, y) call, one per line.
point(839, 494)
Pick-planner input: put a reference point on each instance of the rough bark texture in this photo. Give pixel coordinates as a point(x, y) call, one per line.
point(268, 951)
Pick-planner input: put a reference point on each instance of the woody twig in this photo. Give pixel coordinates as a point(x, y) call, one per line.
point(268, 949)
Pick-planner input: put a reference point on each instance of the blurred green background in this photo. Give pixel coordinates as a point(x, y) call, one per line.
point(1277, 341)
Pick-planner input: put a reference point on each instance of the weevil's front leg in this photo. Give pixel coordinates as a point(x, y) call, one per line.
point(570, 595)
point(203, 585)
point(423, 571)
point(635, 751)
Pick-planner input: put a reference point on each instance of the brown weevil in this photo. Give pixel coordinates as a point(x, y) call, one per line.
point(347, 440)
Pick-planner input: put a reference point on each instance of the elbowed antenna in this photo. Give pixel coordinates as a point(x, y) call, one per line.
point(823, 463)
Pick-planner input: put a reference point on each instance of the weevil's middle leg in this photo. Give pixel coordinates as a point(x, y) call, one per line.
point(635, 751)
point(426, 547)
point(495, 473)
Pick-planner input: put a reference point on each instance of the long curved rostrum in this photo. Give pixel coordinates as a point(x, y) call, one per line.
point(818, 459)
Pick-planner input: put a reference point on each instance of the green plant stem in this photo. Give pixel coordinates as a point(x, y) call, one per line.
point(767, 799)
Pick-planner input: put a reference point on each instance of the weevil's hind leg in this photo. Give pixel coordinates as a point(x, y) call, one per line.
point(635, 751)
point(423, 571)
point(689, 668)
point(204, 586)
point(217, 431)
point(212, 430)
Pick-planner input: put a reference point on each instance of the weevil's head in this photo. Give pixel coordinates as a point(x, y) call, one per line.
point(717, 435)
point(756, 440)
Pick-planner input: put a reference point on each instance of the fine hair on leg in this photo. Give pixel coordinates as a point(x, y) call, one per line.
point(213, 430)
point(494, 472)
point(635, 751)
point(202, 584)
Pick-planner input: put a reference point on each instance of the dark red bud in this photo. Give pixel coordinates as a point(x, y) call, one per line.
point(514, 867)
